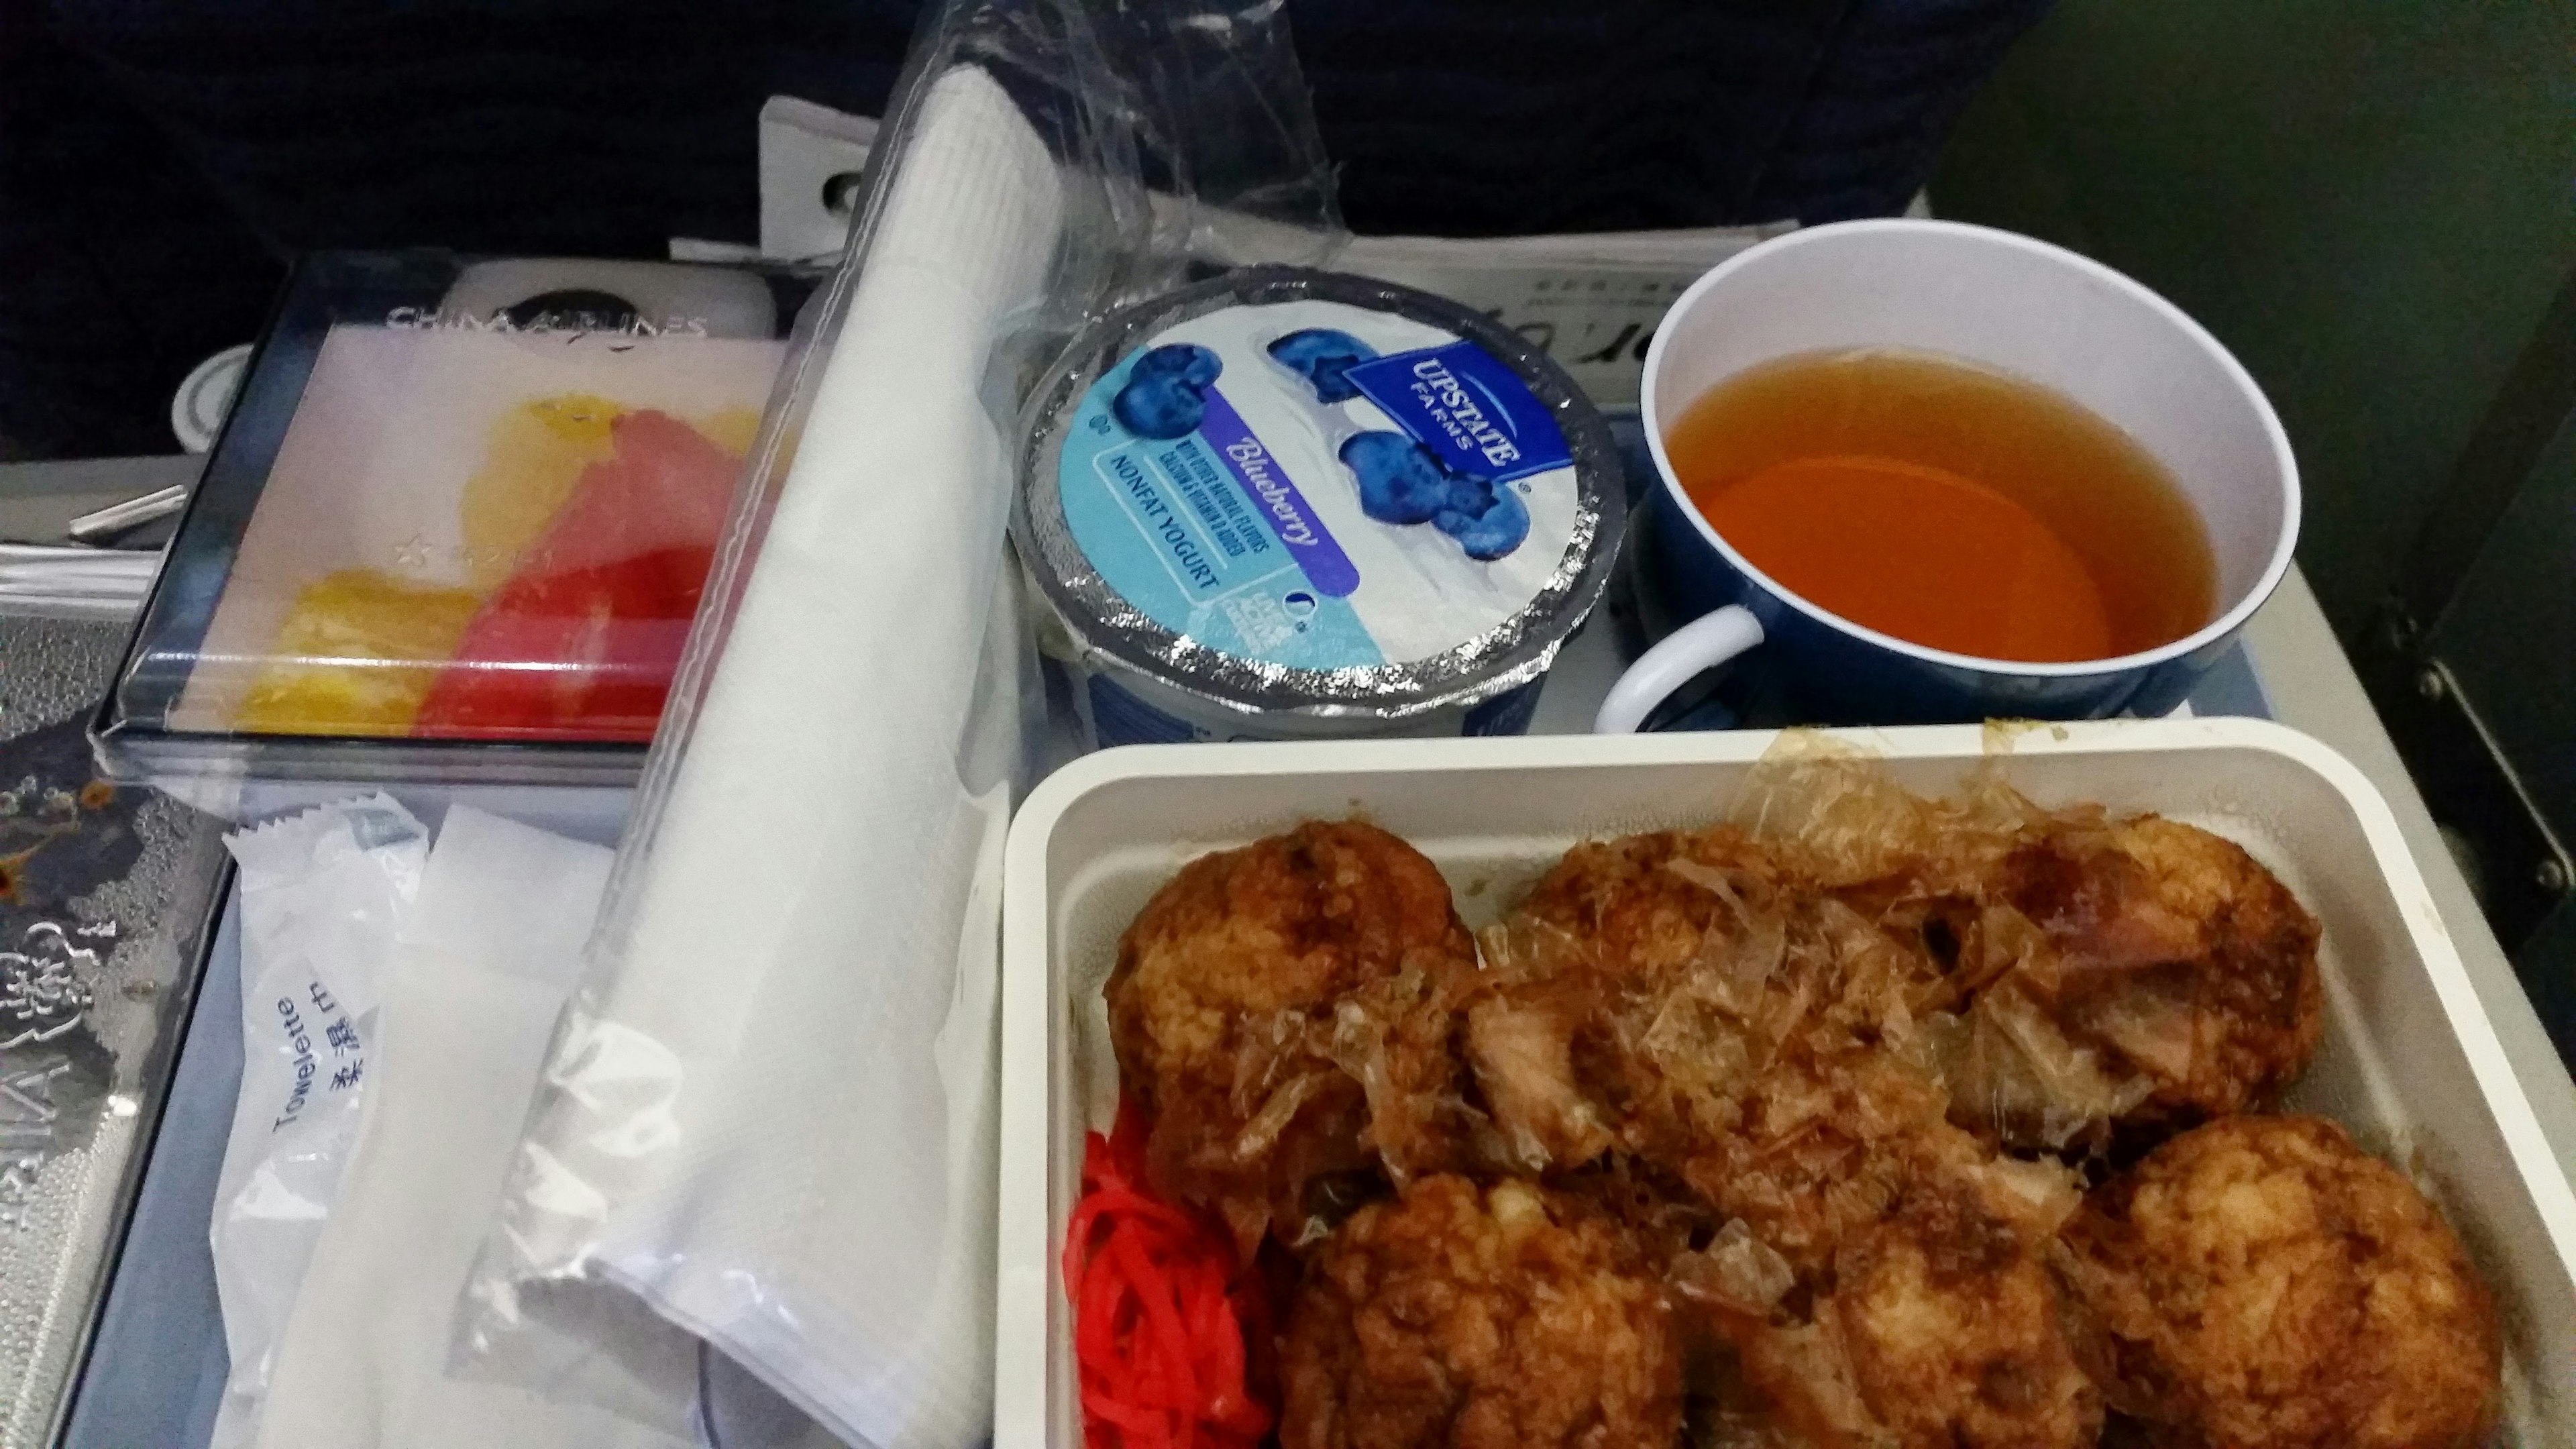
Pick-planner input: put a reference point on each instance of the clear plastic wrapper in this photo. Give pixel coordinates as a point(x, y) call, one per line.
point(323, 894)
point(767, 1120)
point(1288, 503)
point(457, 527)
point(484, 960)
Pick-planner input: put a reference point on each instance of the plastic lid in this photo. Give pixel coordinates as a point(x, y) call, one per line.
point(1304, 491)
point(458, 523)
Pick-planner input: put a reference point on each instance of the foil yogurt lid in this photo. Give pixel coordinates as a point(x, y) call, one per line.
point(1298, 490)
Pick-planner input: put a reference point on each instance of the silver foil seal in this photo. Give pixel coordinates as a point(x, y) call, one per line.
point(1111, 630)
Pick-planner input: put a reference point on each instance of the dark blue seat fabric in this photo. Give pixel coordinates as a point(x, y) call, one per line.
point(1862, 140)
point(161, 159)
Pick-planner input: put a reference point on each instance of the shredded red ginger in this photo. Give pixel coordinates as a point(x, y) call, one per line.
point(1162, 1312)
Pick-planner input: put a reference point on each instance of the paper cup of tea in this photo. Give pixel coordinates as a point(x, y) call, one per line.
point(2004, 305)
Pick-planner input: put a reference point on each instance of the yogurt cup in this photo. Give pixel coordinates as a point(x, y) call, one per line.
point(1289, 504)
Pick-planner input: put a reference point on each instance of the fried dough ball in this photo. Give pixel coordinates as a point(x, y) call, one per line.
point(1555, 1032)
point(1646, 901)
point(2121, 979)
point(1222, 1006)
point(2168, 950)
point(1954, 1327)
point(1675, 997)
point(1826, 1147)
point(2262, 1283)
point(2180, 954)
point(1937, 1327)
point(1507, 1318)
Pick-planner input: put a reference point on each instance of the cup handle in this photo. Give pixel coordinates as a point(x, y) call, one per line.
point(1704, 643)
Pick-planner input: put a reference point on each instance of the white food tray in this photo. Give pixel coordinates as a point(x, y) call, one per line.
point(2408, 1062)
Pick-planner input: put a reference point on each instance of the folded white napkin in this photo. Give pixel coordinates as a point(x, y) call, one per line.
point(770, 1112)
point(488, 951)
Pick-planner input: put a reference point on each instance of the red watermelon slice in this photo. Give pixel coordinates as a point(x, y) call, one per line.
point(580, 642)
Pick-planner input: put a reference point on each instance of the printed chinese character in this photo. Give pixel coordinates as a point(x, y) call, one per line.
point(18, 1189)
point(27, 1102)
point(347, 1076)
point(41, 993)
point(344, 1037)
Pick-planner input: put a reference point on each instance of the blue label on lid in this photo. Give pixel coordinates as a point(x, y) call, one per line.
point(1463, 403)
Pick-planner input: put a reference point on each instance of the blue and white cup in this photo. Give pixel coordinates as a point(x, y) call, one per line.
point(2005, 302)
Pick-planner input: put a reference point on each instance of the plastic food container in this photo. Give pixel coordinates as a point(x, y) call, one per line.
point(2408, 1062)
point(456, 526)
point(1290, 504)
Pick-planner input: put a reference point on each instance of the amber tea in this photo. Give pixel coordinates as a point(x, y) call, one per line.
point(1948, 505)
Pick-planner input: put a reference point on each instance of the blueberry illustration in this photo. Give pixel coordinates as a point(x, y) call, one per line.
point(1400, 480)
point(1321, 355)
point(1152, 405)
point(1492, 528)
point(1181, 359)
point(1166, 391)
